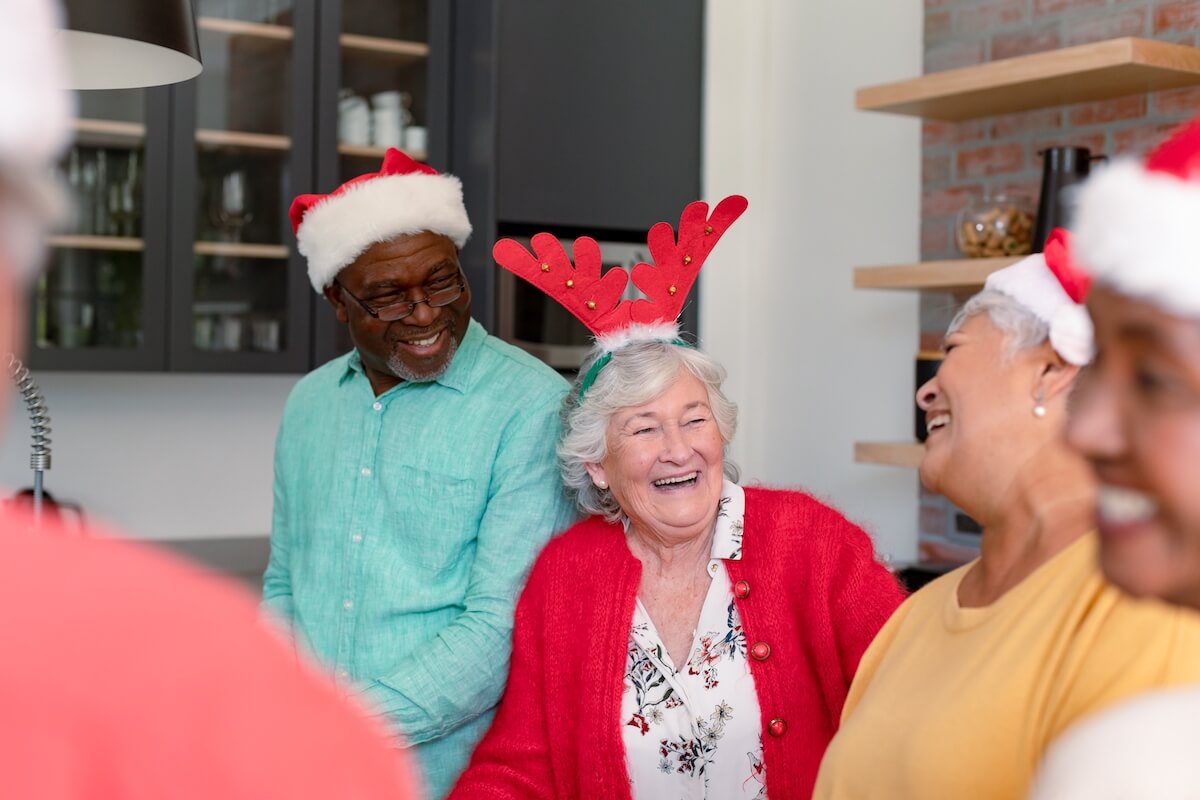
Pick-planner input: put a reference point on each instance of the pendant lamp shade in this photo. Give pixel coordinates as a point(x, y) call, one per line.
point(126, 44)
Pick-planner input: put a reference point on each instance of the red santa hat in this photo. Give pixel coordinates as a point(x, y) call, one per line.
point(1135, 223)
point(1053, 288)
point(403, 197)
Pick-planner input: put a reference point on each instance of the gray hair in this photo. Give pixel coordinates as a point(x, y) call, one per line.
point(1020, 326)
point(637, 374)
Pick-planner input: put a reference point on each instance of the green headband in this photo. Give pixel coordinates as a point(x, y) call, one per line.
point(601, 362)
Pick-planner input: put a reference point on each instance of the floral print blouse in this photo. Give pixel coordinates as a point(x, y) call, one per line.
point(696, 732)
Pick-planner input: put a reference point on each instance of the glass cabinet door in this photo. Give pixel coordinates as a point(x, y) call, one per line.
point(386, 85)
point(244, 148)
point(98, 303)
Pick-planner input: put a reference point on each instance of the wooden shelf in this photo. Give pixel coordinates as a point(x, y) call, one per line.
point(104, 132)
point(237, 27)
point(240, 139)
point(1099, 71)
point(894, 454)
point(967, 274)
point(388, 48)
point(74, 242)
point(371, 151)
point(241, 249)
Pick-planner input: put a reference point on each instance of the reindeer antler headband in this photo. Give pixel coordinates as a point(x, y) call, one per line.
point(596, 299)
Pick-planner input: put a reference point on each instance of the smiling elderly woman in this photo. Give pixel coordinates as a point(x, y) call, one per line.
point(970, 680)
point(691, 638)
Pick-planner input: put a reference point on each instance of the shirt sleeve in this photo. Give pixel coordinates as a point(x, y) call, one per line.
point(277, 580)
point(866, 594)
point(513, 760)
point(460, 673)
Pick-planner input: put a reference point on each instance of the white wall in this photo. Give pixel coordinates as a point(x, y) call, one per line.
point(159, 456)
point(814, 364)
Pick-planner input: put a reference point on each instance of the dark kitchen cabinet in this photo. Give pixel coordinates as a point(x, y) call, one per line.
point(181, 256)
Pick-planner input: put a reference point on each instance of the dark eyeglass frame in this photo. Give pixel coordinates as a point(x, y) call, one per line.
point(385, 314)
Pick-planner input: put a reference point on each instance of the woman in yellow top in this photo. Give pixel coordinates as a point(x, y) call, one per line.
point(976, 673)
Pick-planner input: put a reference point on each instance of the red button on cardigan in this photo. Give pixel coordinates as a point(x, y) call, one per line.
point(777, 727)
point(741, 590)
point(760, 651)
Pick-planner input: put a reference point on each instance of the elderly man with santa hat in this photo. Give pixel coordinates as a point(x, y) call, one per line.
point(126, 674)
point(415, 477)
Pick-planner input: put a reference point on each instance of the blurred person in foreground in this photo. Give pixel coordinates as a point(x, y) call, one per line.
point(975, 675)
point(691, 638)
point(1137, 420)
point(127, 675)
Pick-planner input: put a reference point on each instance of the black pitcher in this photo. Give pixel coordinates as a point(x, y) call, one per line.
point(1061, 167)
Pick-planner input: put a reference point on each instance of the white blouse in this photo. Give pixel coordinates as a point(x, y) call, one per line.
point(697, 732)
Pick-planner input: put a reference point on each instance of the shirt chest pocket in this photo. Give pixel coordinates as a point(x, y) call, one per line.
point(431, 519)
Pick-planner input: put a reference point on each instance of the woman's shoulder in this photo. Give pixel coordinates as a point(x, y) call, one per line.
point(590, 546)
point(782, 513)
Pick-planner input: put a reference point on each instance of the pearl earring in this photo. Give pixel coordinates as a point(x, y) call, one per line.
point(1039, 408)
point(601, 485)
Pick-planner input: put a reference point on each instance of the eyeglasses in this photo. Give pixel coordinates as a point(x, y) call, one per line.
point(434, 298)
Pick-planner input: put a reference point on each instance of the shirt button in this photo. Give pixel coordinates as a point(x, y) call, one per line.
point(760, 651)
point(366, 472)
point(712, 568)
point(378, 406)
point(777, 727)
point(347, 605)
point(356, 537)
point(741, 590)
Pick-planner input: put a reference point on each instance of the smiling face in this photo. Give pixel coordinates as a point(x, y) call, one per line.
point(978, 409)
point(1137, 419)
point(665, 463)
point(418, 347)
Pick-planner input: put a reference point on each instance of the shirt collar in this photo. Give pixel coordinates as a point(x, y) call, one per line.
point(731, 512)
point(457, 376)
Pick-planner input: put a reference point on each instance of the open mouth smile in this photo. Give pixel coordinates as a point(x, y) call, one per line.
point(688, 479)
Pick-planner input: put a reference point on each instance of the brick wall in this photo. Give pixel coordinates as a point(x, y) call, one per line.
point(1000, 154)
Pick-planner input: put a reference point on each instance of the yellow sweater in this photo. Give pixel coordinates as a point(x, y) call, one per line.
point(954, 702)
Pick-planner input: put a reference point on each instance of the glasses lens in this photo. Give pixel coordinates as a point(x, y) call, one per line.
point(444, 297)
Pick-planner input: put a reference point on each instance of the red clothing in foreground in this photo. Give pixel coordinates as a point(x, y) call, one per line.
point(816, 596)
point(126, 675)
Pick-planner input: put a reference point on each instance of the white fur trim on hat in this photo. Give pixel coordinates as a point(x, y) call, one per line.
point(340, 228)
point(1135, 230)
point(1031, 283)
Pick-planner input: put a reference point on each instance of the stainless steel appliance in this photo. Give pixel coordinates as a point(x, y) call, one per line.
point(529, 319)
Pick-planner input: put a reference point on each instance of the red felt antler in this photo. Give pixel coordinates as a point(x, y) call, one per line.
point(578, 287)
point(595, 300)
point(677, 262)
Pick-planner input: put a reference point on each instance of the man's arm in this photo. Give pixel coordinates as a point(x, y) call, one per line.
point(277, 580)
point(460, 674)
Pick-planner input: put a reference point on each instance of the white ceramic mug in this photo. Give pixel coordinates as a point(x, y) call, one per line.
point(416, 139)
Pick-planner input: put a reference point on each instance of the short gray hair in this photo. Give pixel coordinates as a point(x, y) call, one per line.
point(637, 374)
point(1021, 327)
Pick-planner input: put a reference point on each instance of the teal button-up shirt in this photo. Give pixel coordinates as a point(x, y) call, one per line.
point(404, 526)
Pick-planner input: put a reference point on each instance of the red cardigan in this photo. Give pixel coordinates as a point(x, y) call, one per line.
point(812, 590)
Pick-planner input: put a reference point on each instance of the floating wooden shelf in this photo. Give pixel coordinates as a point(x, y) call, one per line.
point(109, 132)
point(237, 27)
point(894, 454)
point(959, 275)
point(241, 249)
point(240, 139)
point(1098, 71)
point(389, 48)
point(371, 151)
point(73, 242)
